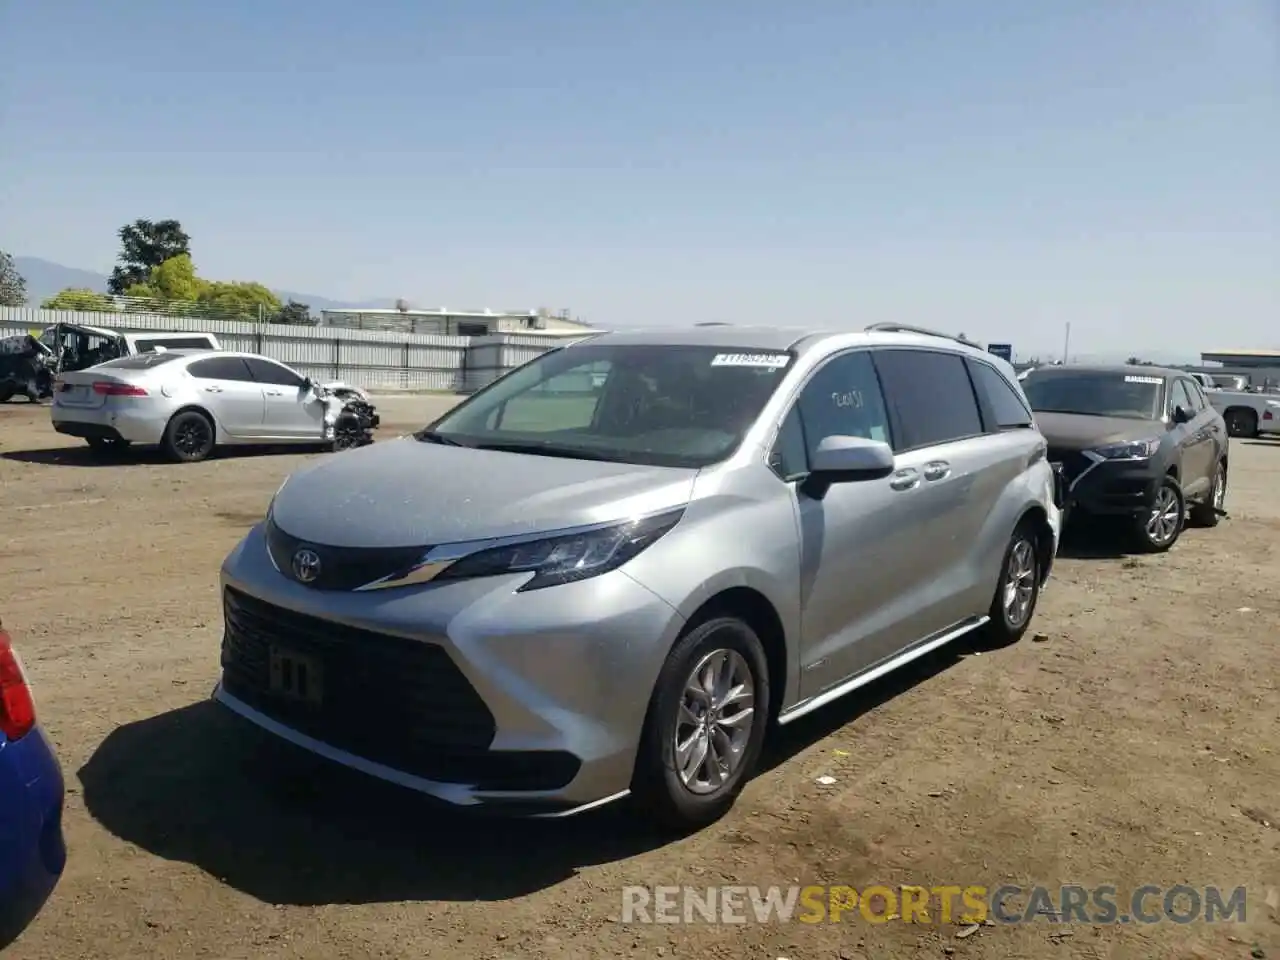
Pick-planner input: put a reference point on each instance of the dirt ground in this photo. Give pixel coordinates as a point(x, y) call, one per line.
point(1135, 740)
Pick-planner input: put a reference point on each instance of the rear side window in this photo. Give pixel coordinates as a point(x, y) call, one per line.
point(1006, 406)
point(264, 371)
point(930, 396)
point(221, 368)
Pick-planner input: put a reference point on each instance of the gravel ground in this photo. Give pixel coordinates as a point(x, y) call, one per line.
point(1134, 740)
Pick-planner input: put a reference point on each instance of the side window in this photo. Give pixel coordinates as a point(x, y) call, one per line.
point(264, 371)
point(843, 399)
point(221, 368)
point(789, 459)
point(1182, 397)
point(931, 396)
point(1006, 405)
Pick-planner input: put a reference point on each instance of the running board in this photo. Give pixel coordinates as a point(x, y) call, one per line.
point(875, 673)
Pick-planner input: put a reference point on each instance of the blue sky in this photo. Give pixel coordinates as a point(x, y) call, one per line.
point(999, 168)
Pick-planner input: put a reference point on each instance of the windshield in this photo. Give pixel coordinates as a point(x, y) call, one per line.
point(1129, 396)
point(677, 406)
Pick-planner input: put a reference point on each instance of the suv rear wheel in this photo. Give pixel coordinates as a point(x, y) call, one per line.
point(706, 724)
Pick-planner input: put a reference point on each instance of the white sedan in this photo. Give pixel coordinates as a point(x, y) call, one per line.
point(190, 401)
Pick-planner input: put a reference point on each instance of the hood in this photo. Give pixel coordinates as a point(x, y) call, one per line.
point(406, 493)
point(1077, 431)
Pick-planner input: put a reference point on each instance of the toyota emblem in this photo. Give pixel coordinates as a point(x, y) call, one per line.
point(306, 565)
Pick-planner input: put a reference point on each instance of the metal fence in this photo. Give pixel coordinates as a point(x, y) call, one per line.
point(373, 359)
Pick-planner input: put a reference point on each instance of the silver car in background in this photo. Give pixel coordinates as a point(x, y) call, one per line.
point(190, 401)
point(612, 569)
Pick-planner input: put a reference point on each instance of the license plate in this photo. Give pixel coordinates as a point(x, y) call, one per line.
point(293, 676)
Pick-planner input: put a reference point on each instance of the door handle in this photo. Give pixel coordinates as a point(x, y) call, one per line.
point(212, 389)
point(905, 479)
point(937, 470)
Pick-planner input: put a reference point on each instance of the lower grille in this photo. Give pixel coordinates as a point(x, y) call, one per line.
point(394, 701)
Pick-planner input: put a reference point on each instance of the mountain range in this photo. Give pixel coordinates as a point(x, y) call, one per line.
point(46, 278)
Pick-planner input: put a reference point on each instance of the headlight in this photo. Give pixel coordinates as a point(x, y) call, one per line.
point(564, 559)
point(1130, 450)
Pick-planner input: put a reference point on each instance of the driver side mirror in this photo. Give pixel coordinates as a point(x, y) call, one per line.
point(1181, 415)
point(842, 459)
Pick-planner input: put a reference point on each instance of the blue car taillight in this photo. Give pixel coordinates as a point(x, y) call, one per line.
point(17, 709)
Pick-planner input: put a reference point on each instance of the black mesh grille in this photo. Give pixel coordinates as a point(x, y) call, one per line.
point(396, 701)
point(341, 568)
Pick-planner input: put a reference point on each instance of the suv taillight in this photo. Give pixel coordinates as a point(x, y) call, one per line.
point(17, 709)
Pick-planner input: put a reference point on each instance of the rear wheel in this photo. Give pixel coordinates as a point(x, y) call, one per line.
point(1207, 514)
point(189, 437)
point(1241, 423)
point(705, 726)
point(1159, 527)
point(1018, 590)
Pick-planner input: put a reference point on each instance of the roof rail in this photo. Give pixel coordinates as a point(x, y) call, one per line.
point(713, 323)
point(890, 327)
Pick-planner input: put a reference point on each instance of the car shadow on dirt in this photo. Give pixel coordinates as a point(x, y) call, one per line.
point(202, 786)
point(83, 456)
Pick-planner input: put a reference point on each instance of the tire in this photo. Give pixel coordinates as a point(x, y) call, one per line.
point(1206, 514)
point(1018, 590)
point(189, 437)
point(1241, 423)
point(347, 434)
point(686, 800)
point(1170, 504)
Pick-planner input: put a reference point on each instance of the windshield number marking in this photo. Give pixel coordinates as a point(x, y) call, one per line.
point(1156, 380)
point(772, 361)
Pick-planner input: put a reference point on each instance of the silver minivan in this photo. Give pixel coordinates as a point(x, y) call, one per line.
point(611, 571)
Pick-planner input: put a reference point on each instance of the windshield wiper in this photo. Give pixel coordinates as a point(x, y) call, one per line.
point(430, 436)
point(548, 450)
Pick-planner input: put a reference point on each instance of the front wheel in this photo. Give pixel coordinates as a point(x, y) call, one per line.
point(1159, 527)
point(705, 727)
point(189, 437)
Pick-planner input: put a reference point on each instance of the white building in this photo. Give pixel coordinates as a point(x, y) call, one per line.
point(459, 323)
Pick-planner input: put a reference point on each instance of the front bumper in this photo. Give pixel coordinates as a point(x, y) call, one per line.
point(32, 850)
point(467, 691)
point(1102, 487)
point(109, 422)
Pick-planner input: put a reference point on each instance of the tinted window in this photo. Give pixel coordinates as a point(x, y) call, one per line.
point(141, 361)
point(174, 343)
point(930, 395)
point(843, 399)
point(1005, 403)
point(220, 368)
point(264, 371)
point(1184, 397)
point(1131, 396)
point(788, 459)
point(665, 405)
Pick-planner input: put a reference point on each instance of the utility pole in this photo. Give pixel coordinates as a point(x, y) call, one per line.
point(1066, 343)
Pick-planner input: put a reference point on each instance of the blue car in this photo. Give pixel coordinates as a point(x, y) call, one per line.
point(32, 851)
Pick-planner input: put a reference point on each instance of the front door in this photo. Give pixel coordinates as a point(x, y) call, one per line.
point(292, 411)
point(227, 390)
point(1195, 438)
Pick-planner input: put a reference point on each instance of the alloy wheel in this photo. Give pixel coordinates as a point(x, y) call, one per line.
point(1165, 517)
point(1020, 583)
point(191, 436)
point(1219, 488)
point(716, 715)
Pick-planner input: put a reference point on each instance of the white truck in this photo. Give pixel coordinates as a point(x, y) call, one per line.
point(1247, 414)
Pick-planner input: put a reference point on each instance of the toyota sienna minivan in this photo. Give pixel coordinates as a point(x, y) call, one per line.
point(611, 571)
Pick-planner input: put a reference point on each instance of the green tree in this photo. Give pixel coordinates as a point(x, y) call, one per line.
point(144, 245)
point(175, 279)
point(240, 301)
point(80, 298)
point(294, 312)
point(13, 288)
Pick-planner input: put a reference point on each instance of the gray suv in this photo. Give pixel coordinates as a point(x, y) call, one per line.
point(610, 571)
